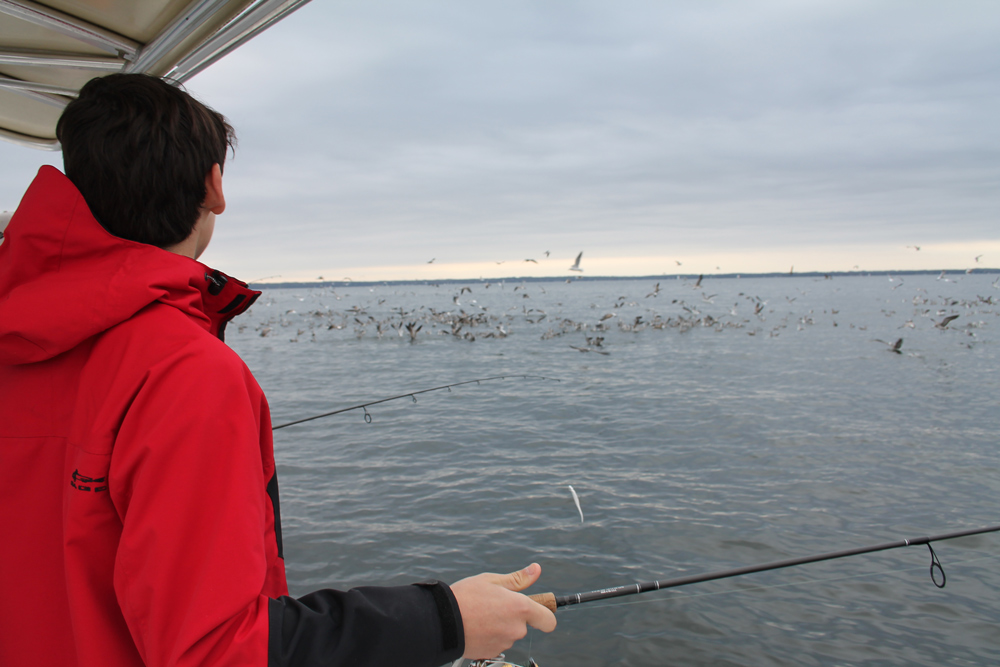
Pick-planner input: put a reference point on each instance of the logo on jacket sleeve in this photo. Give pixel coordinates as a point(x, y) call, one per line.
point(84, 483)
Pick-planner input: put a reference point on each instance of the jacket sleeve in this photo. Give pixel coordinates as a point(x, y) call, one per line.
point(187, 479)
point(406, 625)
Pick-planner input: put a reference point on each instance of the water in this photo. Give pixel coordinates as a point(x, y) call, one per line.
point(739, 421)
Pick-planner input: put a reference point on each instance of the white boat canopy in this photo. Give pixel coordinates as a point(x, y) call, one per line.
point(49, 50)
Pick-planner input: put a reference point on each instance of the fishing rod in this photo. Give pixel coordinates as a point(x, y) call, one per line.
point(554, 602)
point(409, 394)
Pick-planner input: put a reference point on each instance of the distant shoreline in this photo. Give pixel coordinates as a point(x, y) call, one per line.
point(559, 279)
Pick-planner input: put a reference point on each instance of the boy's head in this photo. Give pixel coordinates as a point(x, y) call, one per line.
point(139, 149)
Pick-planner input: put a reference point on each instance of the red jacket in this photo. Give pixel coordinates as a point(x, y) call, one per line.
point(139, 503)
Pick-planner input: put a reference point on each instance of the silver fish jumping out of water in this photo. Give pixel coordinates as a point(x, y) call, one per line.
point(576, 499)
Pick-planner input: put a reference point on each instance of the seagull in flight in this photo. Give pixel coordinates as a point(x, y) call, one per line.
point(893, 347)
point(576, 264)
point(943, 324)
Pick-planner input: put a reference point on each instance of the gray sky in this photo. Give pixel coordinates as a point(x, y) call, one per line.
point(749, 136)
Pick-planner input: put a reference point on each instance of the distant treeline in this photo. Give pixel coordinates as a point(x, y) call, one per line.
point(559, 279)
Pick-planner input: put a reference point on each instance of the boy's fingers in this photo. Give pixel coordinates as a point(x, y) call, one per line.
point(541, 618)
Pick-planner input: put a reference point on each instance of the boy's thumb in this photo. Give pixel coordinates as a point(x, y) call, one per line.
point(518, 581)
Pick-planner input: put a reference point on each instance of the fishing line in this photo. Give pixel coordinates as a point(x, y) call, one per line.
point(410, 394)
point(791, 584)
point(554, 602)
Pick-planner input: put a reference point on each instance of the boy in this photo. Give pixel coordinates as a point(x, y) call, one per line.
point(140, 504)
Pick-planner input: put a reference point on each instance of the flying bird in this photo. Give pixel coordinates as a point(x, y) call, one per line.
point(546, 253)
point(531, 260)
point(893, 347)
point(576, 264)
point(431, 261)
point(943, 324)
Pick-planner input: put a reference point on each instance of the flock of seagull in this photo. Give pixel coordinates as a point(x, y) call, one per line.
point(492, 310)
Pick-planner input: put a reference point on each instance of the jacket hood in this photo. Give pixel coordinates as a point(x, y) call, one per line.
point(64, 278)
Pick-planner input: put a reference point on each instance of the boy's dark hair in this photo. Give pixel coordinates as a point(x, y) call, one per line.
point(138, 149)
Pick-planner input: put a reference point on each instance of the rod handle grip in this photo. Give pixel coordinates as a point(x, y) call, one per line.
point(547, 600)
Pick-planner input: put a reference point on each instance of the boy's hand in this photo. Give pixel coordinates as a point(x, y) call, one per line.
point(495, 615)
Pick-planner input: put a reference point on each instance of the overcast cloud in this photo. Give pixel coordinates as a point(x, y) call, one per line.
point(738, 134)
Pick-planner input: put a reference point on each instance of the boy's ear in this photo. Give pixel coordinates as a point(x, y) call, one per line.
point(215, 201)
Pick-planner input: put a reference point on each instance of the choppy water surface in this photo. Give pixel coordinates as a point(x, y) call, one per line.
point(735, 422)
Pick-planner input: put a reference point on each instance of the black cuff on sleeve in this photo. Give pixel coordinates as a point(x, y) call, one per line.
point(452, 630)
